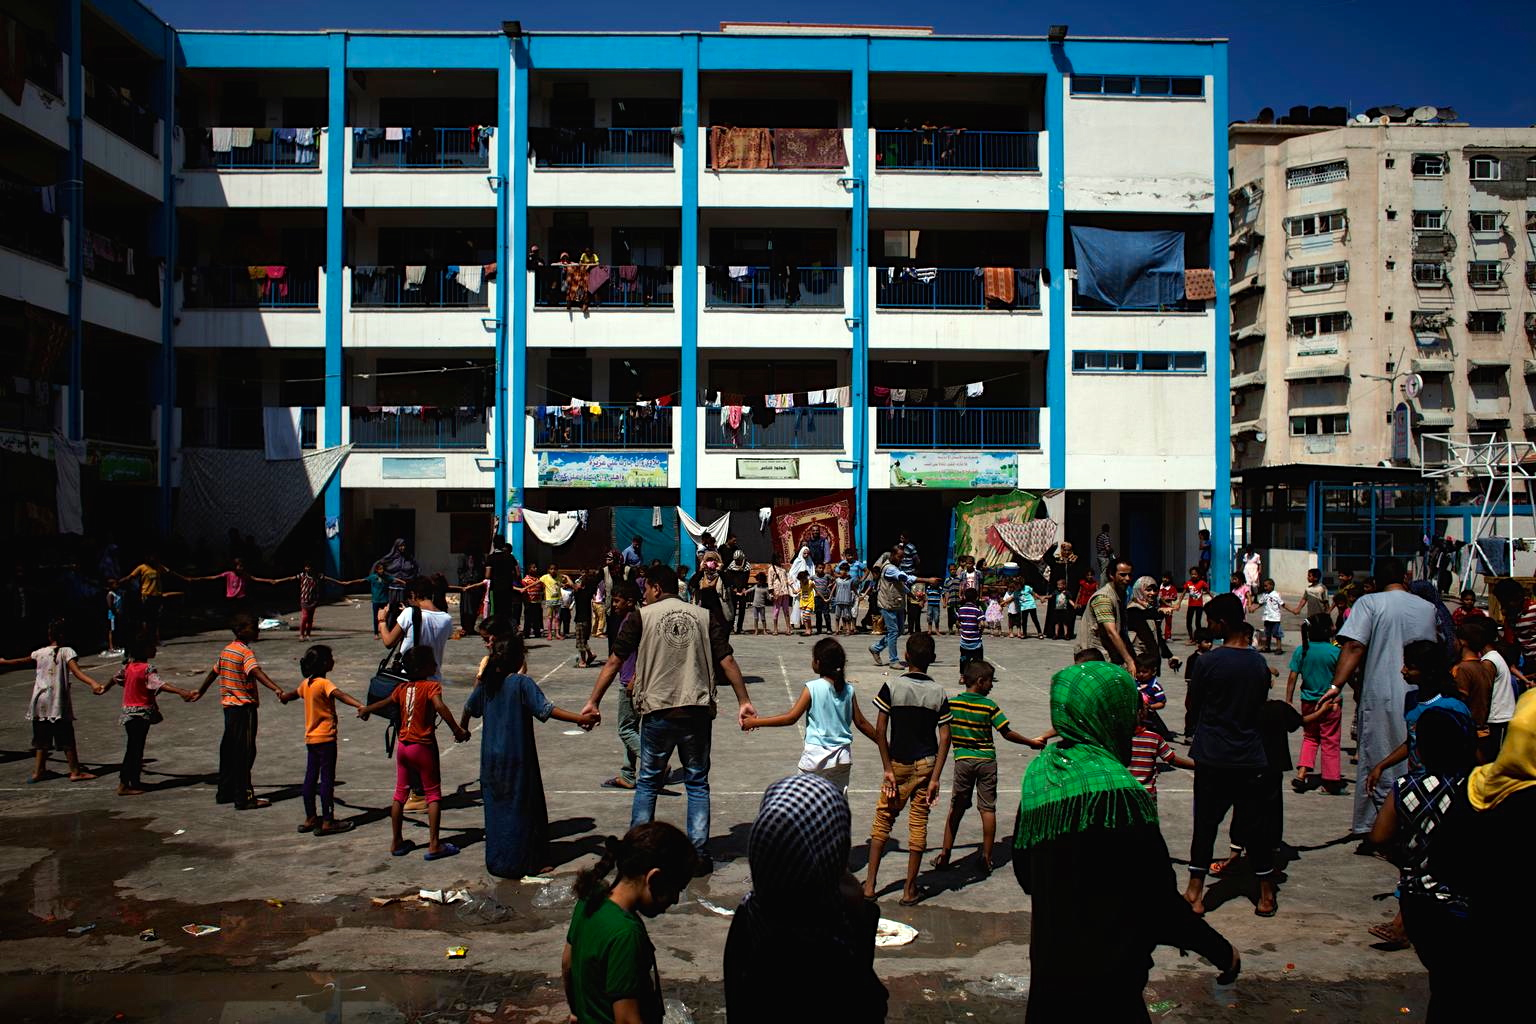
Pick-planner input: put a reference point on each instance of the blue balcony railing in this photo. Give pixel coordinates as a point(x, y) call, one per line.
point(107, 106)
point(397, 287)
point(422, 426)
point(765, 287)
point(621, 427)
point(813, 428)
point(624, 287)
point(607, 148)
point(949, 288)
point(920, 427)
point(422, 148)
point(253, 149)
point(252, 287)
point(951, 149)
point(239, 428)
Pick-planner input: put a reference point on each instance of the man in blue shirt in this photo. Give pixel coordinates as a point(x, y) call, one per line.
point(632, 557)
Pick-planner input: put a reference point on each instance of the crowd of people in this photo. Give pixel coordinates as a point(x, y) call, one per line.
point(1445, 751)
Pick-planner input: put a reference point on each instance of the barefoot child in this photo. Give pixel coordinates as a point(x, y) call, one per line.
point(420, 703)
point(975, 716)
point(141, 685)
point(912, 729)
point(609, 965)
point(51, 711)
point(834, 713)
point(320, 695)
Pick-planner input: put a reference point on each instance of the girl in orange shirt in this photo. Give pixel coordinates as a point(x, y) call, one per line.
point(320, 695)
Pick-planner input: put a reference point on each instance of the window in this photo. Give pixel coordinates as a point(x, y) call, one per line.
point(1138, 362)
point(1485, 273)
point(1530, 168)
point(1316, 174)
point(1316, 224)
point(1485, 321)
point(1483, 221)
point(1429, 220)
point(1429, 274)
point(1324, 275)
point(1485, 168)
point(1307, 426)
point(1321, 323)
point(1152, 86)
point(1530, 275)
point(1429, 165)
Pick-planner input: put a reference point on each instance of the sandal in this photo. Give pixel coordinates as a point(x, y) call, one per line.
point(1387, 938)
point(333, 828)
point(443, 850)
point(617, 783)
point(922, 894)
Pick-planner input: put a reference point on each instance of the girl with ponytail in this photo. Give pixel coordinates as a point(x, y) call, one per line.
point(609, 964)
point(1313, 663)
point(834, 714)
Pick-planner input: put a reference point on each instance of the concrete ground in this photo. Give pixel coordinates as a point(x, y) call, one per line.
point(300, 934)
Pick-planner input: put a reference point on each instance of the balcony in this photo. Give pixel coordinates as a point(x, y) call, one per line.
point(814, 428)
point(626, 287)
point(263, 287)
point(1084, 304)
point(956, 149)
point(27, 227)
point(954, 288)
point(602, 148)
point(621, 427)
point(376, 149)
point(815, 288)
point(125, 267)
point(253, 149)
point(903, 427)
point(107, 106)
point(39, 57)
point(422, 427)
point(418, 287)
point(238, 428)
point(747, 168)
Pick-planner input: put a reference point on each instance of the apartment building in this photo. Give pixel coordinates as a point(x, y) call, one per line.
point(1383, 289)
point(952, 267)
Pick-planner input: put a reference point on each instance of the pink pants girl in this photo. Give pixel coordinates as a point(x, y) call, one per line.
point(1323, 735)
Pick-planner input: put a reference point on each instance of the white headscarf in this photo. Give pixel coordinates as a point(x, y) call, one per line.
point(802, 563)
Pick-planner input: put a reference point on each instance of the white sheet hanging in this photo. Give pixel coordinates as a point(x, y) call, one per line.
point(692, 527)
point(553, 528)
point(283, 439)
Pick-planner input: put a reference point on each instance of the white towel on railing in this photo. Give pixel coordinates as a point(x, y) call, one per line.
point(221, 139)
point(414, 276)
point(471, 278)
point(394, 134)
point(241, 138)
point(737, 273)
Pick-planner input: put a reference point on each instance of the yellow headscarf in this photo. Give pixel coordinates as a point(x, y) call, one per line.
point(1515, 768)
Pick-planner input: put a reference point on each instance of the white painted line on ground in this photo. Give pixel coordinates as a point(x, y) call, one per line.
point(789, 691)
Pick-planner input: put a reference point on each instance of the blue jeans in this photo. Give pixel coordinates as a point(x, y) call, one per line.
point(892, 623)
point(689, 735)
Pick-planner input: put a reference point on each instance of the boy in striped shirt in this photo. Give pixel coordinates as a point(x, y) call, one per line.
point(973, 717)
point(969, 618)
point(238, 673)
point(1148, 748)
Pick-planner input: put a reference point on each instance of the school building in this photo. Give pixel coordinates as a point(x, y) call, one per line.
point(284, 281)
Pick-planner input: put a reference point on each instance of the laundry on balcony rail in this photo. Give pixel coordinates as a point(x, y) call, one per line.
point(1129, 269)
point(733, 148)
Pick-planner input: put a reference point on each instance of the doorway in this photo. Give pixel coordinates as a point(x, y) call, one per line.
point(390, 523)
point(1141, 531)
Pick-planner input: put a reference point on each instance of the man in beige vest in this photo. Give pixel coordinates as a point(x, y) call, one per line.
point(1102, 627)
point(677, 648)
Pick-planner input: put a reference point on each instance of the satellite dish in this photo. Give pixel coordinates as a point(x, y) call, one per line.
point(1362, 119)
point(1425, 113)
point(1384, 119)
point(1412, 120)
point(1260, 436)
point(1394, 111)
point(1413, 386)
point(1447, 114)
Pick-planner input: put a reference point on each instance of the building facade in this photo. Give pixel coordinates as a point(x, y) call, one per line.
point(1382, 290)
point(952, 266)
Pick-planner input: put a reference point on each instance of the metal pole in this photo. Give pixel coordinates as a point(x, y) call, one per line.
point(1509, 500)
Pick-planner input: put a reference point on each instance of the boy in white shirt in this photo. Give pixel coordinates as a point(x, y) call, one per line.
point(1271, 605)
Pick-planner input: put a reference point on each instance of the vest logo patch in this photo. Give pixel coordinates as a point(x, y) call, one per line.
point(678, 629)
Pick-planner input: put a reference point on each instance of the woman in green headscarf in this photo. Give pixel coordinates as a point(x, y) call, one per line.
point(1088, 851)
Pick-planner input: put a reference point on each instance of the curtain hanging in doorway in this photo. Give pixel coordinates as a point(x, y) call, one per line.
point(977, 521)
point(223, 489)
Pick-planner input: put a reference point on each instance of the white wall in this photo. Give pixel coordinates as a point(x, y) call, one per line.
point(123, 160)
point(818, 469)
point(295, 187)
point(607, 326)
point(41, 112)
point(638, 186)
point(104, 305)
point(1140, 432)
point(950, 330)
point(952, 190)
point(1131, 154)
point(419, 187)
point(1125, 329)
point(774, 327)
point(366, 469)
point(412, 328)
point(30, 280)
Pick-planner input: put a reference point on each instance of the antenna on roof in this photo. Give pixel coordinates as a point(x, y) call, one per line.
point(1425, 113)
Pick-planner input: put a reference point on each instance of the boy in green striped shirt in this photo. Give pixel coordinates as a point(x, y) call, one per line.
point(974, 716)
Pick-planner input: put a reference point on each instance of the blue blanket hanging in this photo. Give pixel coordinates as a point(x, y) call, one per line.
point(1130, 269)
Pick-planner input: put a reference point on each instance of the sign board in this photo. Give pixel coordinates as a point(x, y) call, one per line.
point(114, 465)
point(952, 469)
point(603, 469)
point(767, 469)
point(1402, 443)
point(395, 467)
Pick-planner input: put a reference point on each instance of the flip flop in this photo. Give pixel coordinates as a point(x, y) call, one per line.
point(336, 828)
point(305, 828)
point(444, 850)
point(922, 894)
point(403, 849)
point(617, 783)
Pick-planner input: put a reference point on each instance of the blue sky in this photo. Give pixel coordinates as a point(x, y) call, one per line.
point(1354, 53)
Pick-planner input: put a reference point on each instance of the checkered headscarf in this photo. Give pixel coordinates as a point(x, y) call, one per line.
point(798, 850)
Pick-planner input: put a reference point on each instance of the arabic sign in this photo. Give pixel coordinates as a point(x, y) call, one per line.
point(950, 469)
point(603, 469)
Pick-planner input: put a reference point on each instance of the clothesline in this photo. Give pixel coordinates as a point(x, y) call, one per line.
point(841, 396)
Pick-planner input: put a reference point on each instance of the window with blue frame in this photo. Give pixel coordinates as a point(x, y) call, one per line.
point(1150, 86)
point(1138, 362)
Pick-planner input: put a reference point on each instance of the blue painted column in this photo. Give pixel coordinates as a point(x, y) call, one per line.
point(858, 393)
point(74, 192)
point(168, 291)
point(515, 280)
point(1056, 269)
point(688, 256)
point(335, 273)
point(1221, 354)
point(506, 275)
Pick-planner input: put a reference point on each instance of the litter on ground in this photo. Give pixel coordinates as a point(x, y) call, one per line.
point(893, 933)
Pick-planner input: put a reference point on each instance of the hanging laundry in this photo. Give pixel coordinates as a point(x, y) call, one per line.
point(763, 515)
point(394, 134)
point(472, 277)
point(997, 285)
point(222, 139)
point(974, 390)
point(241, 138)
point(262, 135)
point(816, 397)
point(916, 396)
point(737, 273)
point(1199, 284)
point(922, 275)
point(597, 277)
point(128, 263)
point(304, 136)
point(46, 193)
point(656, 516)
point(594, 409)
point(733, 417)
point(414, 275)
point(840, 397)
point(898, 395)
point(950, 394)
point(882, 395)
